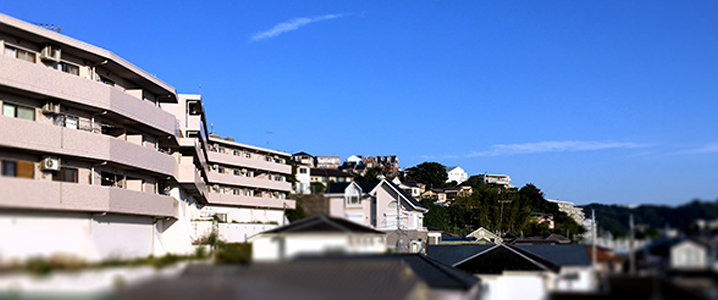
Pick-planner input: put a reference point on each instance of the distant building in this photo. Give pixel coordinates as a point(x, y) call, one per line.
point(576, 213)
point(496, 179)
point(327, 162)
point(304, 159)
point(457, 174)
point(326, 176)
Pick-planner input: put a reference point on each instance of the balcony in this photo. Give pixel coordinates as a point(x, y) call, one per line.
point(41, 80)
point(50, 195)
point(249, 201)
point(48, 138)
point(250, 163)
point(191, 179)
point(261, 183)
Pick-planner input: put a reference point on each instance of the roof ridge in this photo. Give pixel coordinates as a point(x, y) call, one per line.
point(442, 267)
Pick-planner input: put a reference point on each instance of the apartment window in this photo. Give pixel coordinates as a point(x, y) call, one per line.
point(68, 68)
point(353, 200)
point(236, 172)
point(220, 170)
point(302, 171)
point(278, 178)
point(65, 175)
point(194, 108)
point(66, 121)
point(269, 176)
point(248, 193)
point(268, 158)
point(235, 152)
point(107, 81)
point(247, 155)
point(17, 111)
point(112, 179)
point(20, 54)
point(22, 169)
point(235, 191)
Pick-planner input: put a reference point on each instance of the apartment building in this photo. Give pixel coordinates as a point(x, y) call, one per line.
point(99, 159)
point(576, 213)
point(87, 153)
point(496, 179)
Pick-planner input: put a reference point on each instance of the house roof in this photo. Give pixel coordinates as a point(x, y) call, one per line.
point(340, 187)
point(406, 195)
point(328, 172)
point(301, 153)
point(435, 273)
point(562, 254)
point(323, 224)
point(505, 257)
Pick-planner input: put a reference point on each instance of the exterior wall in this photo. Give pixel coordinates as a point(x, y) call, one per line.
point(272, 247)
point(688, 255)
point(503, 287)
point(457, 174)
point(577, 279)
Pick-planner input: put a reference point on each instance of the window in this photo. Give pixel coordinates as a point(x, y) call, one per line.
point(302, 171)
point(235, 191)
point(353, 200)
point(248, 193)
point(235, 152)
point(20, 54)
point(16, 111)
point(22, 169)
point(236, 172)
point(220, 170)
point(65, 175)
point(68, 68)
point(247, 155)
point(268, 158)
point(66, 121)
point(112, 179)
point(278, 178)
point(107, 81)
point(194, 108)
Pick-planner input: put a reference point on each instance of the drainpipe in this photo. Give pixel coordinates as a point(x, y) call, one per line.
point(95, 65)
point(93, 119)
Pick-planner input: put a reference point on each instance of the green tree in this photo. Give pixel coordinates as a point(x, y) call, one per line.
point(317, 188)
point(437, 216)
point(370, 175)
point(432, 174)
point(296, 214)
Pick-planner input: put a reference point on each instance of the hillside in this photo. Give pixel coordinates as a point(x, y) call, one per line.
point(615, 218)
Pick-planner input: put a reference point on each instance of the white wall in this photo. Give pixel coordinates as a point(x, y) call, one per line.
point(269, 247)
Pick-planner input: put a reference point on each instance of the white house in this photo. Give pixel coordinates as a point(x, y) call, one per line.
point(457, 174)
point(317, 235)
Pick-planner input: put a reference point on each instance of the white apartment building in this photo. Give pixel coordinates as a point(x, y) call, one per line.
point(99, 159)
point(574, 212)
point(497, 179)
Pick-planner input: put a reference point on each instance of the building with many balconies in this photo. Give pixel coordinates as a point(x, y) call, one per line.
point(99, 159)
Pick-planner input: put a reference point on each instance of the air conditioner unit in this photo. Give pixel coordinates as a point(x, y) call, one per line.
point(215, 188)
point(50, 164)
point(50, 52)
point(51, 108)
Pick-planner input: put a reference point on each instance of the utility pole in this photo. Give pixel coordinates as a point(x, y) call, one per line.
point(501, 218)
point(632, 252)
point(593, 235)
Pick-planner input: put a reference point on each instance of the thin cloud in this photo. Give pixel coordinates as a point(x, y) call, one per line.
point(292, 25)
point(546, 146)
point(710, 148)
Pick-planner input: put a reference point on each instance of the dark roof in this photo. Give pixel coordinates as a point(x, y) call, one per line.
point(406, 195)
point(435, 273)
point(561, 254)
point(322, 223)
point(304, 279)
point(451, 254)
point(328, 172)
point(339, 187)
point(633, 288)
point(301, 153)
point(505, 257)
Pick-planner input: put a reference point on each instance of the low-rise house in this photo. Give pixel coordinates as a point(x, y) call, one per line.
point(456, 174)
point(318, 235)
point(677, 253)
point(326, 176)
point(303, 179)
point(304, 159)
point(415, 189)
point(328, 162)
point(484, 236)
point(537, 269)
point(381, 205)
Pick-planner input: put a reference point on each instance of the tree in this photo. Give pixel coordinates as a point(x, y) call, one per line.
point(437, 216)
point(317, 188)
point(432, 174)
point(296, 214)
point(369, 175)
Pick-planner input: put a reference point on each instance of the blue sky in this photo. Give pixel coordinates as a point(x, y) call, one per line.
point(592, 101)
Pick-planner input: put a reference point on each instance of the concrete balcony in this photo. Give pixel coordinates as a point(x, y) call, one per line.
point(51, 139)
point(41, 80)
point(191, 180)
point(250, 163)
point(261, 183)
point(50, 195)
point(249, 201)
point(194, 143)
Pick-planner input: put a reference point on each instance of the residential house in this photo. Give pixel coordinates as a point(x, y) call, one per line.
point(484, 236)
point(327, 162)
point(496, 179)
point(318, 235)
point(415, 189)
point(304, 159)
point(456, 174)
point(537, 269)
point(303, 179)
point(326, 176)
point(673, 253)
point(381, 205)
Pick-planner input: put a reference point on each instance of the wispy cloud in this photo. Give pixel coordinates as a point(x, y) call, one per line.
point(710, 148)
point(293, 24)
point(546, 146)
